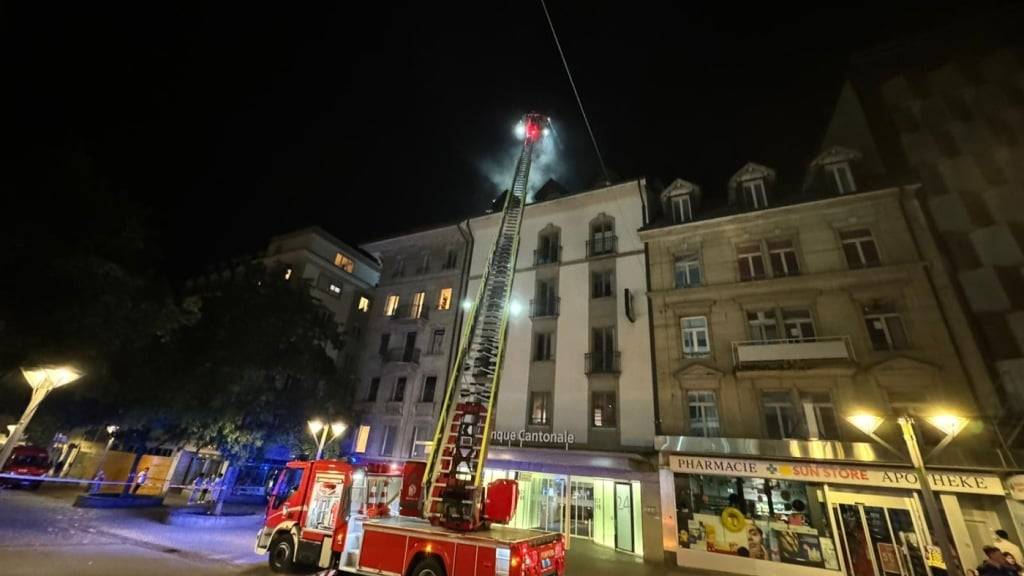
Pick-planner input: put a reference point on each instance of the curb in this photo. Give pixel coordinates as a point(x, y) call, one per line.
point(198, 518)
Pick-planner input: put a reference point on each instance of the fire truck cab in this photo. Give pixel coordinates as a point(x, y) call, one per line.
point(330, 514)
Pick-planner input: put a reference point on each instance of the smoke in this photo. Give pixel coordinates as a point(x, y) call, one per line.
point(547, 163)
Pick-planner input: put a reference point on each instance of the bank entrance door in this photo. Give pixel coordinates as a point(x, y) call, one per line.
point(581, 513)
point(880, 535)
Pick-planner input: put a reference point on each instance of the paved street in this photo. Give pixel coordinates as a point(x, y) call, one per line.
point(42, 534)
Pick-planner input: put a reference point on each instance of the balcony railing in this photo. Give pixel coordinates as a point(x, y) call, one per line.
point(599, 245)
point(407, 355)
point(545, 308)
point(411, 312)
point(791, 351)
point(549, 256)
point(602, 362)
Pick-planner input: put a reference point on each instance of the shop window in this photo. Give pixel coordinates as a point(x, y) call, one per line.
point(391, 305)
point(362, 438)
point(371, 394)
point(444, 301)
point(779, 418)
point(603, 410)
point(762, 325)
point(750, 262)
point(859, 248)
point(540, 408)
point(344, 262)
point(429, 388)
point(387, 445)
point(696, 343)
point(687, 271)
point(703, 409)
point(820, 415)
point(778, 521)
point(782, 256)
point(885, 328)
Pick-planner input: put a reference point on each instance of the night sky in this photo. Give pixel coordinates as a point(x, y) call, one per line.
point(232, 123)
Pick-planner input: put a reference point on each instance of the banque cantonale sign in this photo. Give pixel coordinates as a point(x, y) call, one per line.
point(966, 482)
point(533, 437)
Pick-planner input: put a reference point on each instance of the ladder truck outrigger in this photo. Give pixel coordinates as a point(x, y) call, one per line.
point(334, 514)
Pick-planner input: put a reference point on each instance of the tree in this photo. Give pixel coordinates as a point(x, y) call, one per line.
point(254, 367)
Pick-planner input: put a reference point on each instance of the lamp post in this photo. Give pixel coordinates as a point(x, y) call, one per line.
point(951, 425)
point(320, 430)
point(43, 380)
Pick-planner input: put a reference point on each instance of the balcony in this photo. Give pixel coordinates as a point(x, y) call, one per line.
point(545, 308)
point(600, 245)
point(602, 363)
point(796, 353)
point(404, 355)
point(411, 313)
point(552, 255)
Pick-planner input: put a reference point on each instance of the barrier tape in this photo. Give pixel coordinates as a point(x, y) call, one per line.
point(98, 482)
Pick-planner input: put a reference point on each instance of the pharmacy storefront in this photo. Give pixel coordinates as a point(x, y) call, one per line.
point(767, 517)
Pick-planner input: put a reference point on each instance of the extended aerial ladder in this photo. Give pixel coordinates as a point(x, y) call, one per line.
point(454, 471)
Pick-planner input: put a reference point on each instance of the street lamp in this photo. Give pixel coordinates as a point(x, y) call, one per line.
point(111, 430)
point(951, 425)
point(320, 429)
point(43, 380)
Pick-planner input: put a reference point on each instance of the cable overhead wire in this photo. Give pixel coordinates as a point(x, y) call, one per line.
point(579, 101)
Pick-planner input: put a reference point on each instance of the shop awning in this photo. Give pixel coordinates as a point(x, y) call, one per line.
point(623, 465)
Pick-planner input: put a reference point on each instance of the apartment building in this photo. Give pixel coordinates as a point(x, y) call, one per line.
point(781, 318)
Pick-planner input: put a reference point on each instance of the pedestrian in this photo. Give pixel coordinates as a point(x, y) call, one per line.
point(218, 482)
point(97, 481)
point(995, 564)
point(205, 489)
point(140, 479)
point(1003, 543)
point(197, 485)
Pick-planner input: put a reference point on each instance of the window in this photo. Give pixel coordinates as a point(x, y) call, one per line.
point(546, 302)
point(751, 261)
point(344, 262)
point(602, 237)
point(418, 447)
point(762, 325)
point(335, 290)
point(399, 269)
point(417, 304)
point(703, 407)
point(782, 255)
point(540, 408)
point(436, 341)
point(362, 438)
point(429, 387)
point(387, 446)
point(778, 414)
point(859, 248)
point(371, 395)
point(681, 209)
point(548, 248)
point(754, 194)
point(288, 274)
point(687, 271)
point(424, 265)
point(798, 324)
point(364, 304)
point(444, 301)
point(391, 306)
point(841, 177)
point(385, 343)
point(695, 337)
point(603, 410)
point(451, 260)
point(820, 415)
point(398, 394)
point(544, 344)
point(601, 285)
point(885, 328)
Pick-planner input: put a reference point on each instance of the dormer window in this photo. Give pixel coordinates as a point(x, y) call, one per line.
point(682, 209)
point(841, 177)
point(754, 194)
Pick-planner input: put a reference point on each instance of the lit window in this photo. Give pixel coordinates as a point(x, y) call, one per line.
point(703, 409)
point(540, 408)
point(750, 261)
point(364, 304)
point(782, 255)
point(362, 438)
point(687, 271)
point(820, 416)
point(695, 337)
point(444, 302)
point(777, 408)
point(387, 446)
point(288, 274)
point(754, 194)
point(335, 290)
point(859, 248)
point(603, 410)
point(391, 306)
point(417, 304)
point(344, 262)
point(885, 328)
point(841, 177)
point(681, 209)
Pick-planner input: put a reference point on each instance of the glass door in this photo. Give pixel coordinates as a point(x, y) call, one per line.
point(879, 535)
point(623, 516)
point(581, 513)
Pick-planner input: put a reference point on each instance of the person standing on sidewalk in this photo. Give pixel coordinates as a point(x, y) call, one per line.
point(97, 481)
point(218, 482)
point(197, 486)
point(140, 479)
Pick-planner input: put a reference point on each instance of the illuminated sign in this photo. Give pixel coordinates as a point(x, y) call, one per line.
point(524, 436)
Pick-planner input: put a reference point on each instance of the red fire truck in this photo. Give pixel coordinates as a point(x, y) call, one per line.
point(333, 514)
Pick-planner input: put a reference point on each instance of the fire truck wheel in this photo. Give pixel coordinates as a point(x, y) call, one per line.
point(428, 567)
point(282, 554)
